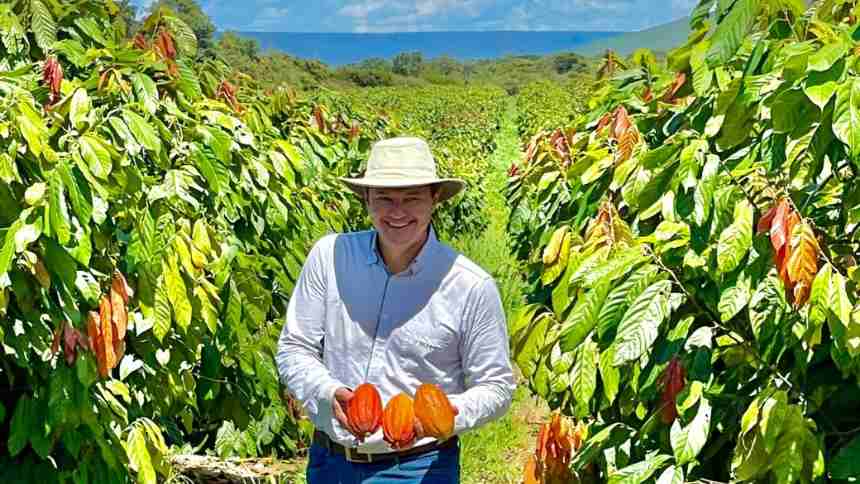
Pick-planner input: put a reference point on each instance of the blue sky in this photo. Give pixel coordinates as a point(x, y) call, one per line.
point(424, 15)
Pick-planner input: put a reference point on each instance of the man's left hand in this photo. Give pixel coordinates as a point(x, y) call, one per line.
point(419, 429)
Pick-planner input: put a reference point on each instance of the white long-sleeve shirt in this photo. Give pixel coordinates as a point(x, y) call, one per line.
point(350, 321)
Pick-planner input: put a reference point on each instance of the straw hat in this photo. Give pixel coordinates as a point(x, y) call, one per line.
point(403, 162)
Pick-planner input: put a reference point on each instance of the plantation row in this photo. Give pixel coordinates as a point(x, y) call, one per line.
point(156, 209)
point(693, 241)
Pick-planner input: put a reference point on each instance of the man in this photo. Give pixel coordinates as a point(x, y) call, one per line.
point(394, 307)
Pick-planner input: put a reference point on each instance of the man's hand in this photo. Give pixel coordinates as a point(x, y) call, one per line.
point(342, 396)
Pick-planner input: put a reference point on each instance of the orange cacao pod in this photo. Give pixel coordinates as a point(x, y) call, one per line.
point(434, 411)
point(364, 411)
point(398, 421)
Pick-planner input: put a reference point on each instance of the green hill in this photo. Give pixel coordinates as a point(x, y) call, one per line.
point(661, 38)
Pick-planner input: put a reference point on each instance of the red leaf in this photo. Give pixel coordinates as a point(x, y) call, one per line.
point(620, 123)
point(165, 46)
point(779, 230)
point(673, 382)
point(680, 80)
point(766, 220)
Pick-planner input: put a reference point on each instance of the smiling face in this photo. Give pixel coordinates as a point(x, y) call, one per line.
point(401, 215)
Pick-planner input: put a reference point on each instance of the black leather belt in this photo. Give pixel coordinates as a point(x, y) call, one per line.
point(352, 455)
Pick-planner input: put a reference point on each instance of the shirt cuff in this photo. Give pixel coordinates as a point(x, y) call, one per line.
point(328, 421)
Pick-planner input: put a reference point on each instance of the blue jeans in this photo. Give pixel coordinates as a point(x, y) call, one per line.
point(433, 467)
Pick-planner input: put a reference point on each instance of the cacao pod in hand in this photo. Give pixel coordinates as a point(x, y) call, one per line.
point(434, 411)
point(364, 411)
point(398, 421)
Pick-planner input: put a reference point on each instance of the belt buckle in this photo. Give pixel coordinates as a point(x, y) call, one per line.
point(350, 453)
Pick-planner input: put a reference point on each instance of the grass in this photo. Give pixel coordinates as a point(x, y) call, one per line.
point(497, 452)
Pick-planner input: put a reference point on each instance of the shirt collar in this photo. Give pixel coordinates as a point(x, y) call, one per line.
point(420, 261)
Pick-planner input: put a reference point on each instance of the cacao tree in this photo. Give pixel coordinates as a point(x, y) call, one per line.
point(694, 242)
point(154, 215)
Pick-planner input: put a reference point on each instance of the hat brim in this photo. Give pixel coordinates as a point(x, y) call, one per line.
point(448, 187)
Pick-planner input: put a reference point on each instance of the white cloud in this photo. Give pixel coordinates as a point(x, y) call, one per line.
point(361, 10)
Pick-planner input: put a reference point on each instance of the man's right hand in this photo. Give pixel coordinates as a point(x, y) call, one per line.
point(342, 396)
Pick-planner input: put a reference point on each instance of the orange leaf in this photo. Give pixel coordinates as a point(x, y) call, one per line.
point(620, 123)
point(121, 286)
point(531, 475)
point(802, 264)
point(107, 332)
point(96, 342)
point(626, 145)
point(119, 314)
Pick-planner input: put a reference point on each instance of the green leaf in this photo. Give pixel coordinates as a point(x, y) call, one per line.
point(177, 292)
point(672, 475)
point(60, 262)
point(688, 441)
point(80, 108)
point(25, 422)
point(732, 31)
point(81, 201)
point(163, 317)
point(824, 58)
point(7, 252)
point(73, 51)
point(640, 325)
point(143, 132)
point(93, 151)
point(846, 117)
point(820, 86)
point(611, 436)
point(177, 183)
point(734, 296)
point(640, 471)
point(790, 110)
point(620, 298)
point(32, 127)
point(736, 239)
point(846, 464)
point(584, 377)
point(145, 91)
point(43, 25)
point(60, 223)
point(207, 310)
point(610, 376)
point(88, 286)
point(138, 456)
point(219, 142)
point(773, 412)
point(188, 82)
point(583, 318)
point(92, 28)
point(186, 41)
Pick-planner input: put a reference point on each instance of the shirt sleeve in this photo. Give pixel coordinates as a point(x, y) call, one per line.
point(300, 346)
point(485, 356)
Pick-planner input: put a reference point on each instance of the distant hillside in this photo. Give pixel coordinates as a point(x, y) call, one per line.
point(660, 39)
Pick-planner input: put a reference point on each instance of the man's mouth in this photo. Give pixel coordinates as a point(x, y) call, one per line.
point(400, 225)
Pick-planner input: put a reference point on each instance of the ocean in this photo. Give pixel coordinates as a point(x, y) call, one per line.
point(337, 49)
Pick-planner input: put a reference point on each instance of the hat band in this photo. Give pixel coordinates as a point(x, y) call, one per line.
point(393, 174)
